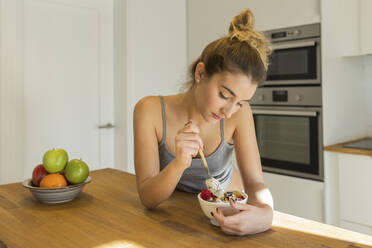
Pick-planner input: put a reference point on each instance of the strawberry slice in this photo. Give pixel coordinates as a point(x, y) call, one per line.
point(206, 194)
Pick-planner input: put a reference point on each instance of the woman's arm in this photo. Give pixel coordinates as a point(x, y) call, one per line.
point(155, 186)
point(248, 159)
point(257, 215)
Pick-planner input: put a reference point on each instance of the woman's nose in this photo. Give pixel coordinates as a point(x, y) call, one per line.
point(228, 111)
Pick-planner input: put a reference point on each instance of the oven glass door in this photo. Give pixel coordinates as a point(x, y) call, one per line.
point(288, 142)
point(293, 62)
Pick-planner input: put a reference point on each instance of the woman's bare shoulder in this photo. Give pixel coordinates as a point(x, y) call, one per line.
point(147, 109)
point(147, 114)
point(147, 104)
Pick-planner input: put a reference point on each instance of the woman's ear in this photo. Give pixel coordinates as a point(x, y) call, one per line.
point(199, 71)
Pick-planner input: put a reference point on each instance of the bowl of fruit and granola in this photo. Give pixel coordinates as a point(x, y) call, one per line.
point(209, 202)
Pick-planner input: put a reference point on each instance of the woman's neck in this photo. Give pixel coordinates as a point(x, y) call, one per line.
point(189, 106)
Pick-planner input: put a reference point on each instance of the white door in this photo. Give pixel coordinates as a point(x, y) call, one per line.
point(65, 57)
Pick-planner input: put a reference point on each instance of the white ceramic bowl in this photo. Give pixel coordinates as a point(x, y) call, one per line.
point(208, 207)
point(55, 195)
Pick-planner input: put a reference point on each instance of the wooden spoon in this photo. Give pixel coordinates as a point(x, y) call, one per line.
point(212, 183)
point(204, 161)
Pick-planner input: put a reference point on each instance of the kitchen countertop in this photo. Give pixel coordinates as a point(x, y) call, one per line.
point(340, 148)
point(108, 213)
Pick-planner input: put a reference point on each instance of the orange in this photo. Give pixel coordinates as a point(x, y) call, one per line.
point(53, 181)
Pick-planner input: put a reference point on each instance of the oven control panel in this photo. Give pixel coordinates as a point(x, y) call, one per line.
point(280, 95)
point(295, 96)
point(296, 32)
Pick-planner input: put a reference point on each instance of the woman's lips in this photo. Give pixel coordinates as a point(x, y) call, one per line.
point(216, 116)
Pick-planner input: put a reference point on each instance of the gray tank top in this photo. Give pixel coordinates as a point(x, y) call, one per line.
point(193, 178)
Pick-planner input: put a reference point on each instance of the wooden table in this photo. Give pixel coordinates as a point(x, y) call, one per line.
point(108, 213)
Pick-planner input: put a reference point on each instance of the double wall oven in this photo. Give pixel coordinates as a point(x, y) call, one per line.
point(287, 109)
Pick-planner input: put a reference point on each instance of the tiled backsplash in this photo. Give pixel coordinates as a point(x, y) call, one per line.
point(368, 91)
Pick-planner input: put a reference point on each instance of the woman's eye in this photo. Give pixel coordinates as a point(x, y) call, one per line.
point(239, 104)
point(223, 96)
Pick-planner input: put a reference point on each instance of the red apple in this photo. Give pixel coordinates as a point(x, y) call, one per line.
point(38, 174)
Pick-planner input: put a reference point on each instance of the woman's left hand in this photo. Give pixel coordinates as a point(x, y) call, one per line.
point(249, 220)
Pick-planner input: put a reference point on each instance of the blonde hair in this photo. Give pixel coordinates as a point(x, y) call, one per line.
point(243, 50)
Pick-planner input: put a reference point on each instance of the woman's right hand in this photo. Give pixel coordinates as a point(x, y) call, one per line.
point(187, 142)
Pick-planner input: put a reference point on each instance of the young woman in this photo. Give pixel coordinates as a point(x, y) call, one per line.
point(214, 115)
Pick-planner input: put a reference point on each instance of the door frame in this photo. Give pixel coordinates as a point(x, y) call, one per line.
point(121, 101)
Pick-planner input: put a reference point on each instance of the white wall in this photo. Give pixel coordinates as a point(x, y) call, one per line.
point(368, 91)
point(156, 54)
point(342, 77)
point(11, 94)
point(210, 19)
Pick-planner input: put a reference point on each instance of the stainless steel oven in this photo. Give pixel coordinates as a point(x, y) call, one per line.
point(296, 55)
point(288, 124)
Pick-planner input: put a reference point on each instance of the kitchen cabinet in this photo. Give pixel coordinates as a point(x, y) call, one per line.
point(355, 189)
point(365, 24)
point(339, 34)
point(348, 201)
point(361, 34)
point(297, 196)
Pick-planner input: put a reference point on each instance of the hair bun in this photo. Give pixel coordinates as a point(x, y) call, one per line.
point(241, 29)
point(243, 22)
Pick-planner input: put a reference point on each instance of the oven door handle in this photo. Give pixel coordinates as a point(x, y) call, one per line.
point(284, 112)
point(294, 45)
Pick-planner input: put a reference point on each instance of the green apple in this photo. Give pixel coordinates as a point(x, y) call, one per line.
point(76, 171)
point(55, 160)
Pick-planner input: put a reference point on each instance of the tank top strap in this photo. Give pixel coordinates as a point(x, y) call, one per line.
point(222, 124)
point(164, 119)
